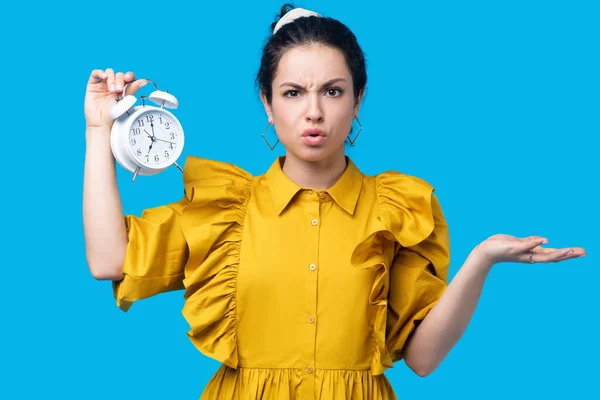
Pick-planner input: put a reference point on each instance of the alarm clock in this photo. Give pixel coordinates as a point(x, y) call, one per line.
point(146, 140)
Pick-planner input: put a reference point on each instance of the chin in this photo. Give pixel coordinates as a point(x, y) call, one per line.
point(314, 153)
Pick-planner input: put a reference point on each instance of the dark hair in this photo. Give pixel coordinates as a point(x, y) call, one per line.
point(306, 31)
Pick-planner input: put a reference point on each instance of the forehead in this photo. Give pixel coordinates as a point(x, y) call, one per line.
point(314, 62)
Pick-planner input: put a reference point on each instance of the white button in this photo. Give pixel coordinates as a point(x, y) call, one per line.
point(315, 221)
point(322, 195)
point(312, 267)
point(309, 192)
point(309, 370)
point(311, 319)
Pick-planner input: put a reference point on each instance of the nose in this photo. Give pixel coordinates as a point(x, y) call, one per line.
point(314, 112)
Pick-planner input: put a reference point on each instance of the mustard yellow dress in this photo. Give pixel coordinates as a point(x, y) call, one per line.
point(299, 293)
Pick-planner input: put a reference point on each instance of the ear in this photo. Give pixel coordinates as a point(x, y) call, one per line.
point(359, 101)
point(267, 106)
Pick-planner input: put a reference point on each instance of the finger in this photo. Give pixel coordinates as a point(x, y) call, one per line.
point(119, 79)
point(532, 237)
point(129, 77)
point(554, 256)
point(547, 250)
point(576, 252)
point(540, 254)
point(110, 80)
point(531, 243)
point(135, 86)
point(565, 256)
point(132, 85)
point(96, 76)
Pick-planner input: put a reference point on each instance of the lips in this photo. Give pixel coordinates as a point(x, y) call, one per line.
point(313, 136)
point(313, 132)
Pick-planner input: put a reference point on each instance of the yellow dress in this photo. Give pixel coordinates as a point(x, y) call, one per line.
point(299, 293)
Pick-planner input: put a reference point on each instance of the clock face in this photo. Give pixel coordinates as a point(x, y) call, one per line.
point(155, 139)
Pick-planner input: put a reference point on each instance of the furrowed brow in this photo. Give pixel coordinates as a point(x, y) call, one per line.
point(326, 84)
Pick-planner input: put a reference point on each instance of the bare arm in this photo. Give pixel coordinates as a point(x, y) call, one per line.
point(446, 322)
point(448, 319)
point(103, 221)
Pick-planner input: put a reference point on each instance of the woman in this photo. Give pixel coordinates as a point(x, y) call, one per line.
point(309, 281)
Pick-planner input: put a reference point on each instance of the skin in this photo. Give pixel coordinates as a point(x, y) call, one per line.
point(303, 99)
point(307, 102)
point(448, 319)
point(310, 105)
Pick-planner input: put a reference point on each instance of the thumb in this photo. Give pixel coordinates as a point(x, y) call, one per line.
point(135, 86)
point(532, 242)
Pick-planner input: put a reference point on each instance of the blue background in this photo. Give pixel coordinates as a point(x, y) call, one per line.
point(495, 103)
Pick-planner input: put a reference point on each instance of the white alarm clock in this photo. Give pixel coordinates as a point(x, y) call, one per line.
point(146, 140)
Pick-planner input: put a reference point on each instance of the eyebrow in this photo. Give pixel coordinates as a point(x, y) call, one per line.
point(328, 83)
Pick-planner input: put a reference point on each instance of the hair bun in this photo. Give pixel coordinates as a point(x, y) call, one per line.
point(292, 15)
point(286, 8)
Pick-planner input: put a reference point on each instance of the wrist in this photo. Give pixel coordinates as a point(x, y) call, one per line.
point(97, 131)
point(97, 140)
point(480, 260)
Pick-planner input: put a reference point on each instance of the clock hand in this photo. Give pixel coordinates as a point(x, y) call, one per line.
point(153, 137)
point(162, 140)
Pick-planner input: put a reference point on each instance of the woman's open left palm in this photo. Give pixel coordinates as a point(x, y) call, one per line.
point(505, 248)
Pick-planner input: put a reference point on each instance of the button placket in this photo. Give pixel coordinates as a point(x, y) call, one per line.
point(313, 213)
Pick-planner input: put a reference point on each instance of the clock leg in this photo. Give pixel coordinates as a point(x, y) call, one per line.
point(177, 165)
point(137, 170)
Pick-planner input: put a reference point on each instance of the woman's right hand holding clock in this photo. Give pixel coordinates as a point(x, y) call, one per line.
point(103, 88)
point(104, 225)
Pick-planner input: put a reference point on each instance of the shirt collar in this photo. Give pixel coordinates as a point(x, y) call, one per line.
point(344, 192)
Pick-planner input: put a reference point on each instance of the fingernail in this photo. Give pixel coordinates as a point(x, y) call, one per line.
point(545, 241)
point(143, 84)
point(569, 252)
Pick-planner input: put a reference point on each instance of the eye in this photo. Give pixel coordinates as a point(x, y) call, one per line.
point(334, 92)
point(291, 93)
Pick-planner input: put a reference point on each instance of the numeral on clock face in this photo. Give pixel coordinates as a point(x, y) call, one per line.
point(153, 138)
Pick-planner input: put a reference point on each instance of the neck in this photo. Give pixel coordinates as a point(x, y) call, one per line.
point(317, 175)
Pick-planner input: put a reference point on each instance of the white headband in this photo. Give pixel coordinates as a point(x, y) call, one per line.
point(292, 15)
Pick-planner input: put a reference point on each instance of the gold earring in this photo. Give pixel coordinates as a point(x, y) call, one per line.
point(265, 139)
point(359, 130)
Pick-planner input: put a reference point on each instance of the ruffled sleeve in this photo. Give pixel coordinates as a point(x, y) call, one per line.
point(155, 257)
point(407, 244)
point(418, 278)
point(218, 195)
